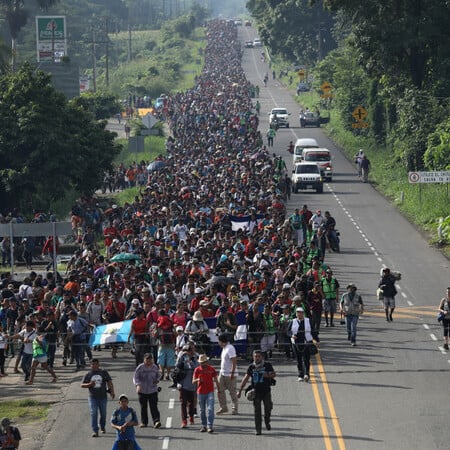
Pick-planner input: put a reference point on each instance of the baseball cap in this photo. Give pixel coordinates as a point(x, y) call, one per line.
point(300, 310)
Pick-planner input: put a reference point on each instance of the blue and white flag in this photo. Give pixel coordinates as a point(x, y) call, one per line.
point(111, 333)
point(243, 222)
point(240, 337)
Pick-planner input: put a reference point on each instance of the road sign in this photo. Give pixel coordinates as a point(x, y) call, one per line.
point(413, 177)
point(51, 37)
point(429, 177)
point(360, 125)
point(326, 87)
point(359, 114)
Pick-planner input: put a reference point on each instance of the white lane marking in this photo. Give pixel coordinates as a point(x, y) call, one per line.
point(442, 349)
point(376, 253)
point(426, 326)
point(432, 336)
point(165, 444)
point(372, 248)
point(169, 422)
point(379, 259)
point(403, 294)
point(171, 403)
point(410, 303)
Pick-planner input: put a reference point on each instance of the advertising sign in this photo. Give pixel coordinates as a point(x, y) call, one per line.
point(51, 38)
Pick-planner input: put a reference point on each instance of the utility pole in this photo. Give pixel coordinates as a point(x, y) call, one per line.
point(107, 52)
point(94, 61)
point(129, 43)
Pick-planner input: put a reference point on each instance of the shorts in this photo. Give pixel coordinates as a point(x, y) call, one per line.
point(329, 305)
point(389, 302)
point(166, 356)
point(41, 359)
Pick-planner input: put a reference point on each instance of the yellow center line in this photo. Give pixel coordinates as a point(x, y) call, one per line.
point(334, 418)
point(322, 420)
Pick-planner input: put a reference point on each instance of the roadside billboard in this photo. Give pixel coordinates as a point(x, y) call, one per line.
point(51, 38)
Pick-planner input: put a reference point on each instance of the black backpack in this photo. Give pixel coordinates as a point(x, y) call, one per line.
point(179, 373)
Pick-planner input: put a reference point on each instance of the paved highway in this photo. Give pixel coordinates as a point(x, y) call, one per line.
point(390, 391)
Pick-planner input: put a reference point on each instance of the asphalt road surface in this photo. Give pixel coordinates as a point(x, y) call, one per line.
point(388, 392)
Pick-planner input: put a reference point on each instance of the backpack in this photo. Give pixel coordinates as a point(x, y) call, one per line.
point(179, 373)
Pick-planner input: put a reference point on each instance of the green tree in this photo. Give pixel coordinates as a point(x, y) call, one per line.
point(101, 105)
point(408, 40)
point(294, 29)
point(50, 146)
point(437, 155)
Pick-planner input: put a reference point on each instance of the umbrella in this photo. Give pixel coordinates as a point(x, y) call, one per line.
point(156, 165)
point(125, 257)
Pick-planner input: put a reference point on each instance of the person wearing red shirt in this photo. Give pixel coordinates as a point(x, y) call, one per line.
point(110, 233)
point(195, 302)
point(139, 331)
point(180, 317)
point(48, 249)
point(205, 376)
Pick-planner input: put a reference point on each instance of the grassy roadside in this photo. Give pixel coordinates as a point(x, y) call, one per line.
point(24, 410)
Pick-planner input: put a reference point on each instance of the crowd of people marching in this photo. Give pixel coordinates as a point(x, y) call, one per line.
point(210, 233)
point(209, 237)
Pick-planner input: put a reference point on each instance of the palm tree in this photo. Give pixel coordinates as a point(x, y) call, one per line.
point(16, 16)
point(5, 55)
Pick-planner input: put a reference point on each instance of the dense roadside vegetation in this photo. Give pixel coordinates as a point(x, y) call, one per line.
point(393, 59)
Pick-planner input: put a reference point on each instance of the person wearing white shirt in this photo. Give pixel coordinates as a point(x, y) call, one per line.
point(227, 376)
point(300, 337)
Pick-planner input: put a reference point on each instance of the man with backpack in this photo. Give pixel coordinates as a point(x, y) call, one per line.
point(78, 327)
point(262, 376)
point(182, 376)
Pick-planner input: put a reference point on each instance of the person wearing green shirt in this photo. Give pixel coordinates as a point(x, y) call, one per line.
point(268, 340)
point(40, 347)
point(271, 133)
point(297, 225)
point(330, 289)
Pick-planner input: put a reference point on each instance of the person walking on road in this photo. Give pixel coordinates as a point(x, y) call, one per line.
point(301, 336)
point(146, 378)
point(444, 308)
point(358, 159)
point(330, 289)
point(365, 168)
point(40, 349)
point(187, 362)
point(351, 305)
point(99, 383)
point(227, 376)
point(205, 376)
point(387, 285)
point(271, 133)
point(27, 336)
point(262, 375)
point(123, 420)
